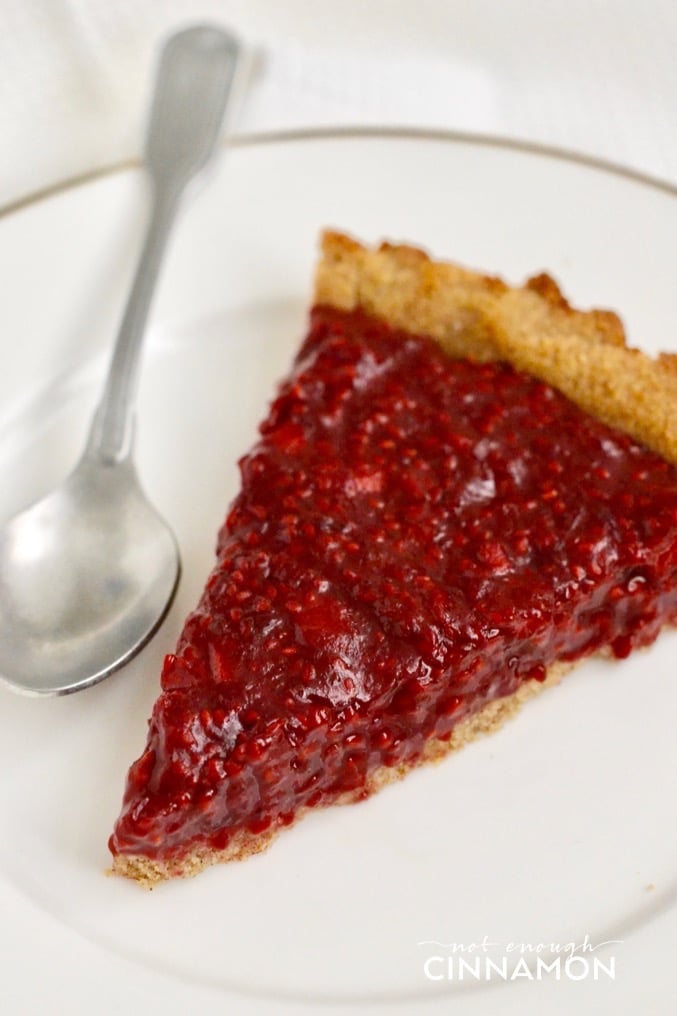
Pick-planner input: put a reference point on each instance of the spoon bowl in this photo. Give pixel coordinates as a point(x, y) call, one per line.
point(86, 577)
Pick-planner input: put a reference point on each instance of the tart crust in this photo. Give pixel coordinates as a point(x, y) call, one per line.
point(584, 354)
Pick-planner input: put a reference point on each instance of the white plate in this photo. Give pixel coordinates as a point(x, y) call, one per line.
point(547, 832)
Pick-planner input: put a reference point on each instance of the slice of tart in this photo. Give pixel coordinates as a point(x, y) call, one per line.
point(461, 489)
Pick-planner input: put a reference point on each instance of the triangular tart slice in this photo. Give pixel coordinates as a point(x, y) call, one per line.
point(461, 489)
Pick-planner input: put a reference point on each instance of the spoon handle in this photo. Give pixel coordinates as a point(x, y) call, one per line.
point(193, 84)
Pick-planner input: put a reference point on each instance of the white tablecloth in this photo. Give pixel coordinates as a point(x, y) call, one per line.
point(597, 76)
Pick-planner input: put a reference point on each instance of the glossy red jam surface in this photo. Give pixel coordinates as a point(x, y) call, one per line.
point(415, 536)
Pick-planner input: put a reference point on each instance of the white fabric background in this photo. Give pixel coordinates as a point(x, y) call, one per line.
point(598, 76)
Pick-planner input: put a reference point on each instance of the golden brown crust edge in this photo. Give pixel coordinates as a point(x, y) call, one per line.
point(583, 354)
point(148, 872)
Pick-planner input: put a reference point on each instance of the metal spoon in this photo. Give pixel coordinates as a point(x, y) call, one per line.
point(88, 573)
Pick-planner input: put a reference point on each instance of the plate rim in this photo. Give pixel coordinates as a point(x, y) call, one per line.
point(357, 132)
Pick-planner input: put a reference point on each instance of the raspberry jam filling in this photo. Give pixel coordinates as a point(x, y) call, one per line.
point(415, 536)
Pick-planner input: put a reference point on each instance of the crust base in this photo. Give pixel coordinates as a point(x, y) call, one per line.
point(148, 872)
